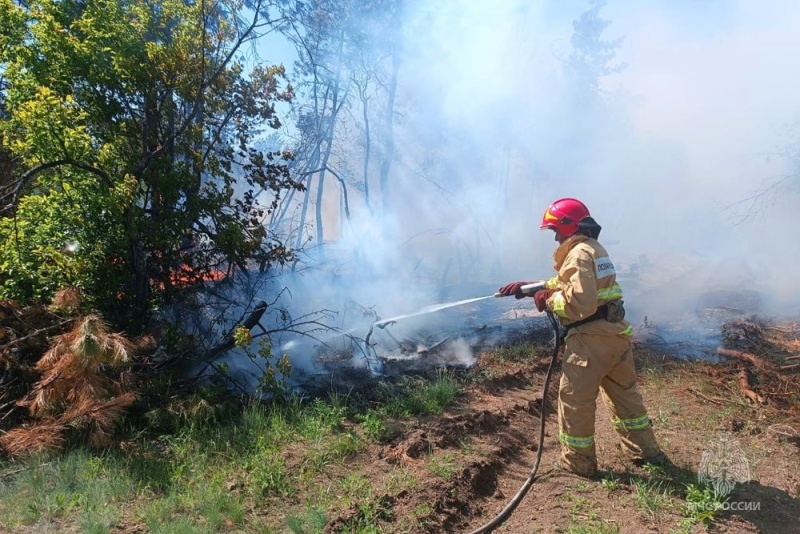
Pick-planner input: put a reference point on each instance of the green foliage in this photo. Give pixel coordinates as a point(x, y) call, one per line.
point(372, 421)
point(702, 504)
point(592, 57)
point(134, 129)
point(242, 336)
point(274, 379)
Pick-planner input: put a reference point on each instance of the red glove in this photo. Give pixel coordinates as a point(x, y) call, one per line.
point(513, 289)
point(540, 298)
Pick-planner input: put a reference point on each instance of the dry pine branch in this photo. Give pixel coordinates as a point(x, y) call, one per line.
point(744, 384)
point(75, 390)
point(742, 356)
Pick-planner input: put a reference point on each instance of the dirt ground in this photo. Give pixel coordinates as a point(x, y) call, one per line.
point(491, 435)
point(454, 472)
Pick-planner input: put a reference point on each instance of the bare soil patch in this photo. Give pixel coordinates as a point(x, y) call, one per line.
point(490, 436)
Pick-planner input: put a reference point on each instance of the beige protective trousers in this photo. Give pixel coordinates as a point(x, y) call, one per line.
point(601, 363)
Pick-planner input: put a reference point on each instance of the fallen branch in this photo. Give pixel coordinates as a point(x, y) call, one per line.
point(742, 356)
point(788, 367)
point(734, 398)
point(782, 329)
point(716, 401)
point(424, 350)
point(744, 384)
point(783, 430)
point(37, 332)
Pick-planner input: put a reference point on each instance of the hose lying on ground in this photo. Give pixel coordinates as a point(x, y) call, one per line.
point(514, 502)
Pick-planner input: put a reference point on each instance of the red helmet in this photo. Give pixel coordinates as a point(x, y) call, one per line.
point(563, 216)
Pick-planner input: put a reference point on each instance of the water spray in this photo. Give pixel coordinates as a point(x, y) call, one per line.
point(431, 309)
point(527, 290)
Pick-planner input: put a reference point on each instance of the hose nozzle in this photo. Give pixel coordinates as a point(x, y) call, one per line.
point(527, 290)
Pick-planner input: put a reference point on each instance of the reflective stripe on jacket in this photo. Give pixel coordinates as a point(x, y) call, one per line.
point(586, 279)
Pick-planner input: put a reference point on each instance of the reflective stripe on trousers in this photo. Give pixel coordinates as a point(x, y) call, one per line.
point(575, 441)
point(637, 423)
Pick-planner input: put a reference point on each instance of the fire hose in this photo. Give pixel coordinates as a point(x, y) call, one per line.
point(506, 512)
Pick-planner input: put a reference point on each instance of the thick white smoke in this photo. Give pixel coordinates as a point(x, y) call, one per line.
point(688, 132)
point(677, 156)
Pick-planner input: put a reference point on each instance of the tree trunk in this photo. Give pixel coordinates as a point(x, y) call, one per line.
point(329, 144)
point(138, 256)
point(306, 195)
point(314, 160)
point(362, 92)
point(389, 151)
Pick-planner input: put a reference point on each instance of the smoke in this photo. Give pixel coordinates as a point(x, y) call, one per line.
point(710, 95)
point(675, 155)
point(673, 130)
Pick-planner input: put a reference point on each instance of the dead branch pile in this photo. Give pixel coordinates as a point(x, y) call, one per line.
point(762, 361)
point(60, 375)
point(25, 334)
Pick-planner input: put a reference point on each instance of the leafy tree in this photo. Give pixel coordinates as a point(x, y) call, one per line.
point(592, 56)
point(134, 127)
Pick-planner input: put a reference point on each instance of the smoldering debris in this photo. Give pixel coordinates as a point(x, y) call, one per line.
point(696, 333)
point(452, 342)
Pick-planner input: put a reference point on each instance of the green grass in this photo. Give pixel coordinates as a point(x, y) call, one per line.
point(410, 397)
point(312, 521)
point(202, 466)
point(595, 527)
point(652, 496)
point(209, 467)
point(77, 485)
point(444, 466)
point(417, 396)
point(610, 481)
point(523, 352)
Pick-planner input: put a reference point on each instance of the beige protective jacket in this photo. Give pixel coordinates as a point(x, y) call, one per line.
point(586, 279)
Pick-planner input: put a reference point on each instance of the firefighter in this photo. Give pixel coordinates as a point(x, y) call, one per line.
point(598, 353)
